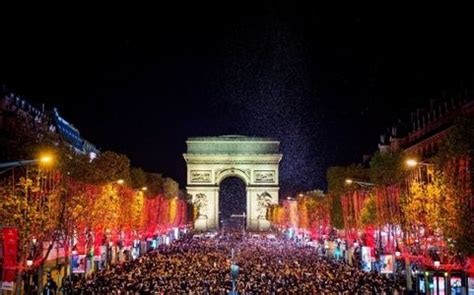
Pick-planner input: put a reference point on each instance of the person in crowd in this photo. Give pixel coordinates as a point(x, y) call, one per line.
point(50, 288)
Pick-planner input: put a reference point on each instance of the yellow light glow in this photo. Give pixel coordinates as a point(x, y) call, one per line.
point(45, 159)
point(411, 162)
point(349, 181)
point(120, 181)
point(144, 188)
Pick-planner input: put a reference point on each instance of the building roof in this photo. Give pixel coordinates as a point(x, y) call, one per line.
point(232, 144)
point(232, 138)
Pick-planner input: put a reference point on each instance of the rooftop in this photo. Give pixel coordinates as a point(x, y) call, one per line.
point(232, 144)
point(232, 138)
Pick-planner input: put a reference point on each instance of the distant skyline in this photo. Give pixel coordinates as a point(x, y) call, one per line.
point(324, 83)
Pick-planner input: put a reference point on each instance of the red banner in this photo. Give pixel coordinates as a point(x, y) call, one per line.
point(10, 249)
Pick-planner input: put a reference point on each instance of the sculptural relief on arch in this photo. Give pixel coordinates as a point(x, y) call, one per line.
point(210, 160)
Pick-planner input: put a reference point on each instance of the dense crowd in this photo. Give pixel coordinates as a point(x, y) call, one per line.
point(267, 266)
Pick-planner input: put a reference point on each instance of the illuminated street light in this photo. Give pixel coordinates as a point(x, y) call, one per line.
point(144, 188)
point(413, 163)
point(120, 181)
point(350, 181)
point(44, 159)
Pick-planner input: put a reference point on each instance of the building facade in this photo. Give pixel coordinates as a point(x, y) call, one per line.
point(17, 114)
point(427, 127)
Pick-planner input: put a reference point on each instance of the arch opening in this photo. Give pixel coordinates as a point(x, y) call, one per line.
point(232, 202)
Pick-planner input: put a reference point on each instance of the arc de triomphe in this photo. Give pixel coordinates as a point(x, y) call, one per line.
point(255, 160)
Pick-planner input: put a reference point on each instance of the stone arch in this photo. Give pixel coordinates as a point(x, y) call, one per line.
point(210, 160)
point(232, 172)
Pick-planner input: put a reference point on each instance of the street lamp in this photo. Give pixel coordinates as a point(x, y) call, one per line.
point(120, 181)
point(44, 159)
point(350, 181)
point(413, 163)
point(144, 188)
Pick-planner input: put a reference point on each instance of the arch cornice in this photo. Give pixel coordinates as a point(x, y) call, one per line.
point(232, 159)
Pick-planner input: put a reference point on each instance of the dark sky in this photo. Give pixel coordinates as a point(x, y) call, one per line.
point(326, 83)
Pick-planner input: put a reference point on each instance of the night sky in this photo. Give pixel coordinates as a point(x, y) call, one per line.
point(325, 83)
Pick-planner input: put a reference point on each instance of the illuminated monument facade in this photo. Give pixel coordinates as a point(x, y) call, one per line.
point(210, 160)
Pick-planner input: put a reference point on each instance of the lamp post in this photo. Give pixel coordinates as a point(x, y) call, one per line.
point(234, 272)
point(446, 283)
point(416, 281)
point(34, 255)
point(43, 159)
point(395, 265)
point(29, 264)
point(436, 265)
point(362, 184)
point(408, 272)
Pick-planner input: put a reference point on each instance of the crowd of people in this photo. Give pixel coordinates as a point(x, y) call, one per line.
point(201, 265)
